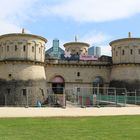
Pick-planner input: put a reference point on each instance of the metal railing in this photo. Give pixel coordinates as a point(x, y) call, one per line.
point(95, 96)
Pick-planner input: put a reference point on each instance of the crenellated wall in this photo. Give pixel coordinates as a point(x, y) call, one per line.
point(21, 71)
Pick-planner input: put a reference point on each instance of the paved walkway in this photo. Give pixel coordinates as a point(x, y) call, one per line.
point(68, 112)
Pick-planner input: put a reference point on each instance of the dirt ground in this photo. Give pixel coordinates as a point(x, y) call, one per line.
point(67, 112)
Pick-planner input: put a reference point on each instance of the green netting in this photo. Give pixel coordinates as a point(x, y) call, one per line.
point(119, 99)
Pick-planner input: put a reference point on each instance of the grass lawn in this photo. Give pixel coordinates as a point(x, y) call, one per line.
point(80, 128)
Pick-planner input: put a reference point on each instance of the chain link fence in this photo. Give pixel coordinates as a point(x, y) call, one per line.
point(97, 97)
point(81, 97)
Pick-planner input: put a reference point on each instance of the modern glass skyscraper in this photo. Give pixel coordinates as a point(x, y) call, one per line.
point(55, 51)
point(98, 51)
point(94, 50)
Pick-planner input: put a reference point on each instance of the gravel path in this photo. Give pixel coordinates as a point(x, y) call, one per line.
point(67, 112)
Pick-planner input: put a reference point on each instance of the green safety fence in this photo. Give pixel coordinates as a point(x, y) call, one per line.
point(119, 99)
point(109, 99)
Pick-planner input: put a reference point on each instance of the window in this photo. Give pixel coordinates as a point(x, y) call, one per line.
point(78, 74)
point(122, 52)
point(24, 48)
point(32, 49)
point(8, 91)
point(116, 53)
point(78, 89)
point(24, 92)
point(10, 75)
point(15, 47)
point(7, 48)
point(139, 51)
point(39, 50)
point(131, 51)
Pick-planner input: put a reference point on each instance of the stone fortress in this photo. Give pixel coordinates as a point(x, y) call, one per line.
point(26, 76)
point(22, 68)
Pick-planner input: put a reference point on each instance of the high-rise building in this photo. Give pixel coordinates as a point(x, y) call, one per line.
point(98, 51)
point(55, 51)
point(94, 50)
point(91, 50)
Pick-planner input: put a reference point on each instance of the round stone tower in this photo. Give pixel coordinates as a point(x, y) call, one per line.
point(77, 47)
point(22, 74)
point(126, 63)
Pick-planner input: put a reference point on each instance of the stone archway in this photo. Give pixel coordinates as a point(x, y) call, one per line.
point(98, 85)
point(58, 84)
point(98, 81)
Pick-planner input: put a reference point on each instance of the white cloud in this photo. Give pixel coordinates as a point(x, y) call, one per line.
point(6, 27)
point(98, 39)
point(95, 38)
point(105, 50)
point(14, 13)
point(93, 10)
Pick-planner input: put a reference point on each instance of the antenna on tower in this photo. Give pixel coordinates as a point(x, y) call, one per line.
point(23, 30)
point(129, 34)
point(76, 38)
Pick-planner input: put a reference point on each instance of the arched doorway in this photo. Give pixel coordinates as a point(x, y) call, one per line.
point(98, 85)
point(58, 85)
point(98, 82)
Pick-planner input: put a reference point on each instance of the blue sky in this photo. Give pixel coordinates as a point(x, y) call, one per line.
point(96, 22)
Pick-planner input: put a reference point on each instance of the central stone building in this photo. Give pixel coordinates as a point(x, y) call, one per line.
point(22, 73)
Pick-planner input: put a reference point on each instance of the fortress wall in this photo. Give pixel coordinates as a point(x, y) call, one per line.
point(129, 72)
point(69, 73)
point(21, 71)
point(12, 94)
point(126, 76)
point(32, 78)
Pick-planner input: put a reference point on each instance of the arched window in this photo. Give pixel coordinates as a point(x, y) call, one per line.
point(57, 85)
point(24, 48)
point(123, 52)
point(32, 48)
point(78, 74)
point(131, 51)
point(139, 51)
point(15, 47)
point(7, 48)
